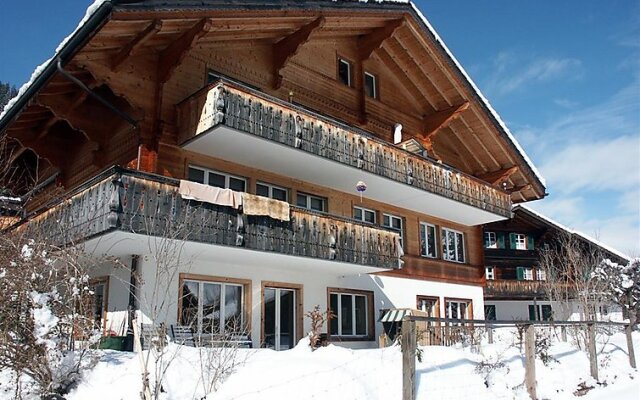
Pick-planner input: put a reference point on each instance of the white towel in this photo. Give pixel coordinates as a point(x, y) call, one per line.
point(210, 194)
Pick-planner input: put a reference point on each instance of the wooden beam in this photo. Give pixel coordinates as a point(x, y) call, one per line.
point(286, 48)
point(499, 176)
point(440, 119)
point(153, 28)
point(401, 74)
point(66, 110)
point(371, 42)
point(176, 51)
point(44, 130)
point(522, 188)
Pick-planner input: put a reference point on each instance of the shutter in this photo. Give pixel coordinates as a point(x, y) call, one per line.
point(500, 239)
point(520, 273)
point(512, 241)
point(530, 245)
point(532, 312)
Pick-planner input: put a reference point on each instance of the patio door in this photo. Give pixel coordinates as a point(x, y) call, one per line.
point(279, 318)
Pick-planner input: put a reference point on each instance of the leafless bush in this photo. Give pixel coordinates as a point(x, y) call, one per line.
point(318, 319)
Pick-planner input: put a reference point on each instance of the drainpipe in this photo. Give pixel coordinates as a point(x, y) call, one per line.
point(133, 303)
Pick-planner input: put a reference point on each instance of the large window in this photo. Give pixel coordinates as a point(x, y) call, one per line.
point(218, 179)
point(395, 223)
point(540, 312)
point(364, 215)
point(272, 191)
point(351, 309)
point(490, 240)
point(212, 307)
point(458, 309)
point(311, 202)
point(490, 312)
point(427, 240)
point(452, 245)
point(429, 305)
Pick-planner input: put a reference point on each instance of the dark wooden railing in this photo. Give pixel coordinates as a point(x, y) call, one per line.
point(151, 205)
point(497, 288)
point(253, 112)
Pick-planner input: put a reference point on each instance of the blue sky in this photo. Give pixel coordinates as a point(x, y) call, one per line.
point(564, 75)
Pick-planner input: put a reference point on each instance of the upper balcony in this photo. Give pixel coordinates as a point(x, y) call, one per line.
point(514, 289)
point(240, 124)
point(122, 201)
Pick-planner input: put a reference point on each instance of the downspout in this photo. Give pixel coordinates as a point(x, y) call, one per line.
point(133, 303)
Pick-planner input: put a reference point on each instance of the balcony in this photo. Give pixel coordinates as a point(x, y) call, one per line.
point(242, 125)
point(127, 201)
point(513, 289)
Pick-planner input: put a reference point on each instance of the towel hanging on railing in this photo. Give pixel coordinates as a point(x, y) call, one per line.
point(210, 194)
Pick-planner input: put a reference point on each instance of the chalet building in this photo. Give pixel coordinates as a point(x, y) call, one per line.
point(516, 284)
point(279, 154)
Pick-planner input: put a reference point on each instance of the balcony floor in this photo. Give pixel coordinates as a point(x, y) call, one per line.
point(247, 149)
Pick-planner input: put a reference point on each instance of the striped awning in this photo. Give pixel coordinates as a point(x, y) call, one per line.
point(394, 315)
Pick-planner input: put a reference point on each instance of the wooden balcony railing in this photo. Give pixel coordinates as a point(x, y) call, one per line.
point(148, 204)
point(514, 288)
point(253, 112)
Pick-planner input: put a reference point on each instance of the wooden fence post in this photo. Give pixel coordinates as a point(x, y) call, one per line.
point(530, 360)
point(632, 354)
point(563, 333)
point(490, 331)
point(408, 345)
point(591, 343)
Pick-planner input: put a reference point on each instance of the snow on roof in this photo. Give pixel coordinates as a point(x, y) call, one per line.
point(480, 95)
point(573, 231)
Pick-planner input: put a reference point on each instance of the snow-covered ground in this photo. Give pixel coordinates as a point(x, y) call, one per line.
point(337, 373)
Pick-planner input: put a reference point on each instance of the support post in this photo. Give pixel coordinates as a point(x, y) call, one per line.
point(632, 354)
point(593, 358)
point(490, 331)
point(530, 360)
point(408, 359)
point(563, 333)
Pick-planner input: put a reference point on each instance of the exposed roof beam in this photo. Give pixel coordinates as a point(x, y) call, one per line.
point(153, 28)
point(401, 74)
point(286, 48)
point(520, 188)
point(47, 125)
point(64, 109)
point(371, 42)
point(440, 119)
point(500, 176)
point(176, 51)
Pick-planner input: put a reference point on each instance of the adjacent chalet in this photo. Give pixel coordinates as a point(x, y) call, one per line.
point(516, 284)
point(245, 161)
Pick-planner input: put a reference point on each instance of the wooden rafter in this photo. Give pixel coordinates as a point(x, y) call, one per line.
point(440, 119)
point(500, 176)
point(66, 110)
point(153, 28)
point(401, 75)
point(369, 43)
point(286, 48)
point(44, 130)
point(173, 55)
point(520, 188)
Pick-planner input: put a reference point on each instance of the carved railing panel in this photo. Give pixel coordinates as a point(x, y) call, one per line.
point(514, 288)
point(252, 112)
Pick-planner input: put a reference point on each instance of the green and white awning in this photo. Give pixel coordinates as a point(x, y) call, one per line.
point(394, 315)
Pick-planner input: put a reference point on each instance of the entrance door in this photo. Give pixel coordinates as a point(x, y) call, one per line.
point(279, 318)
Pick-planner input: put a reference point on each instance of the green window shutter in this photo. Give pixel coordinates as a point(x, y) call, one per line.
point(500, 239)
point(520, 273)
point(530, 244)
point(512, 241)
point(532, 312)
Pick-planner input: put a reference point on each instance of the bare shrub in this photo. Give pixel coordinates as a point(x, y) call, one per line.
point(318, 319)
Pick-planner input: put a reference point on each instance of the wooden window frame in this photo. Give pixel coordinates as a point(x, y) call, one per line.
point(435, 238)
point(371, 327)
point(464, 247)
point(430, 298)
point(299, 290)
point(350, 64)
point(225, 174)
point(364, 209)
point(376, 93)
point(105, 304)
point(246, 287)
point(458, 300)
point(271, 186)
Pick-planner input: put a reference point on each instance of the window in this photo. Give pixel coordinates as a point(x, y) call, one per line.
point(212, 307)
point(541, 274)
point(490, 240)
point(452, 245)
point(458, 309)
point(489, 273)
point(524, 273)
point(393, 222)
point(490, 312)
point(429, 305)
point(427, 240)
point(364, 215)
point(370, 85)
point(311, 202)
point(272, 191)
point(521, 241)
point(218, 179)
point(540, 312)
point(344, 71)
point(352, 313)
point(100, 289)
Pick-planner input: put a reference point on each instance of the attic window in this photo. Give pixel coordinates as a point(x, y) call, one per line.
point(370, 85)
point(344, 71)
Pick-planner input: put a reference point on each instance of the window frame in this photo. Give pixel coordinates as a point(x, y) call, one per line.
point(270, 188)
point(520, 238)
point(374, 86)
point(490, 273)
point(226, 175)
point(369, 315)
point(390, 226)
point(445, 253)
point(541, 275)
point(468, 308)
point(349, 65)
point(309, 196)
point(104, 281)
point(434, 299)
point(427, 225)
point(495, 240)
point(365, 210)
